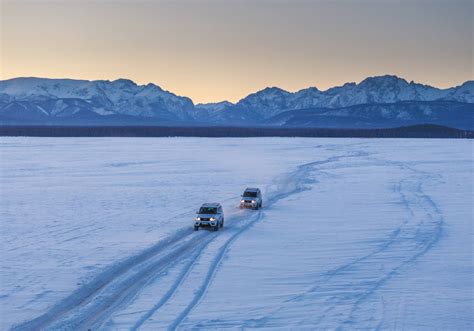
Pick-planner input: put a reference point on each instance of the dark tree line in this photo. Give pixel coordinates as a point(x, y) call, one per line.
point(417, 131)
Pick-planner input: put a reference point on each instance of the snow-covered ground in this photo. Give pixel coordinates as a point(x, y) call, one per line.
point(354, 234)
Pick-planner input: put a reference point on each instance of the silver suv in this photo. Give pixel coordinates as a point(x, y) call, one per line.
point(209, 215)
point(252, 198)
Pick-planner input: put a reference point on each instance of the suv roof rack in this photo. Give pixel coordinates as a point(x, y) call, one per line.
point(211, 204)
point(251, 189)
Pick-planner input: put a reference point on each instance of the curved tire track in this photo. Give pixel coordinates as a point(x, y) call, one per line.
point(87, 292)
point(287, 185)
point(211, 273)
point(92, 304)
point(346, 290)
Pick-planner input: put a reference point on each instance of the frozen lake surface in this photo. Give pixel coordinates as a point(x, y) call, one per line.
point(354, 234)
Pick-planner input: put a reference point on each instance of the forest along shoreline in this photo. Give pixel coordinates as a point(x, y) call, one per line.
point(416, 131)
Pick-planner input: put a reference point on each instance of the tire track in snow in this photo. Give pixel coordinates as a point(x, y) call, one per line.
point(93, 319)
point(416, 236)
point(289, 184)
point(426, 234)
point(201, 292)
point(239, 222)
point(84, 294)
point(346, 289)
point(94, 302)
point(168, 295)
point(87, 292)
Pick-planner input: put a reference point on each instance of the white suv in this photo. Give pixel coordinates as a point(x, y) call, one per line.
point(209, 215)
point(252, 198)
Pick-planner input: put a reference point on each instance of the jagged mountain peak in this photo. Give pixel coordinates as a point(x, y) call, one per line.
point(272, 89)
point(268, 92)
point(124, 81)
point(392, 81)
point(467, 84)
point(463, 93)
point(382, 79)
point(270, 100)
point(309, 90)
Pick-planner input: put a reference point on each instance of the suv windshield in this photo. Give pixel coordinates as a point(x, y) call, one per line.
point(250, 194)
point(208, 210)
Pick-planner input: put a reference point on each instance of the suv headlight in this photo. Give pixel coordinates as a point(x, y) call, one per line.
point(253, 201)
point(242, 201)
point(198, 218)
point(212, 219)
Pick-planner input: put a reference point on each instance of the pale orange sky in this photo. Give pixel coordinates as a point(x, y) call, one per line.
point(216, 50)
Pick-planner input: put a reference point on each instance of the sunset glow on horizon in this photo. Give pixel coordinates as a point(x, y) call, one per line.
point(214, 50)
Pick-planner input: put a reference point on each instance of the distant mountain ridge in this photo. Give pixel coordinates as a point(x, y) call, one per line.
point(373, 90)
point(381, 101)
point(118, 97)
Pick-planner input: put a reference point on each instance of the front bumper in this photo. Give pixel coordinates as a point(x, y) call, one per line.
point(248, 204)
point(205, 223)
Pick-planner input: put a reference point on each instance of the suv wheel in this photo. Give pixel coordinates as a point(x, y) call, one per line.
point(196, 228)
point(216, 227)
point(222, 223)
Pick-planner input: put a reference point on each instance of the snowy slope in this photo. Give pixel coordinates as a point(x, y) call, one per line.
point(121, 96)
point(463, 93)
point(384, 115)
point(215, 106)
point(354, 234)
point(268, 102)
point(380, 89)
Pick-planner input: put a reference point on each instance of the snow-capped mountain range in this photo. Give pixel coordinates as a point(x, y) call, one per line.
point(51, 101)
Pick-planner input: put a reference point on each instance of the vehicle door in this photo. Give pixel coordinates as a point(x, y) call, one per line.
point(219, 213)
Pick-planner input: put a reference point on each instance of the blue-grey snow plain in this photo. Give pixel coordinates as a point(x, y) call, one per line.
point(354, 234)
